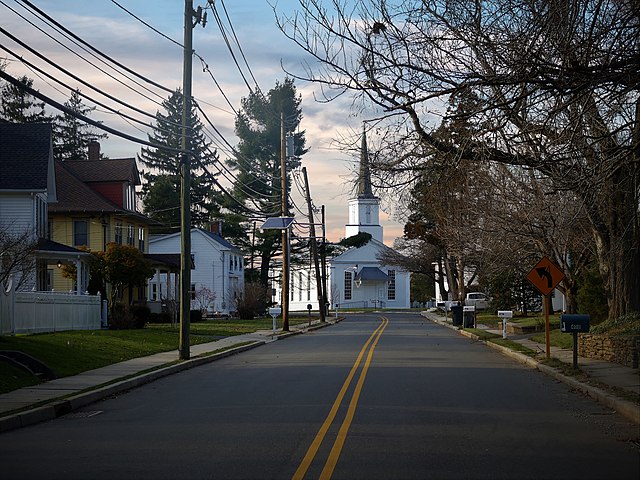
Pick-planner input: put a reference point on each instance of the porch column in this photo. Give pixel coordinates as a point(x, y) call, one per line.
point(78, 277)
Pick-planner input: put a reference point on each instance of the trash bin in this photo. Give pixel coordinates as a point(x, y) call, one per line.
point(468, 319)
point(456, 315)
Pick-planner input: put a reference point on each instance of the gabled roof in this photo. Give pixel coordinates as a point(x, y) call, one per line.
point(105, 170)
point(75, 196)
point(209, 235)
point(25, 153)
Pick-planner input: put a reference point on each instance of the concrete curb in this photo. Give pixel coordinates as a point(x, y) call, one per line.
point(627, 409)
point(58, 408)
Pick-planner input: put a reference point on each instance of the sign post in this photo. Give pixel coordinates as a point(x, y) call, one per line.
point(574, 324)
point(274, 312)
point(545, 276)
point(504, 314)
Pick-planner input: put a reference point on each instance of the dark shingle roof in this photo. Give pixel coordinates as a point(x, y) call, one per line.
point(75, 196)
point(218, 238)
point(105, 170)
point(24, 155)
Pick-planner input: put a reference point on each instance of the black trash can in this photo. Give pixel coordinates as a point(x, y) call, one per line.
point(468, 319)
point(456, 315)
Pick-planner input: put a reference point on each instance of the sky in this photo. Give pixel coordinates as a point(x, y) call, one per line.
point(107, 27)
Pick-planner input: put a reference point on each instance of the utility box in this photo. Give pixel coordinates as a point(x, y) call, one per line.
point(571, 323)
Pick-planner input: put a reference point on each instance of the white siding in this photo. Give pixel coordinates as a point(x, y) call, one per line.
point(17, 213)
point(216, 267)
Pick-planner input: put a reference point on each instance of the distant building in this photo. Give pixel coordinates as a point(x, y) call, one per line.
point(217, 276)
point(356, 278)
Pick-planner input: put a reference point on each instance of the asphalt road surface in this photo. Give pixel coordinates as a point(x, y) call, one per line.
point(374, 397)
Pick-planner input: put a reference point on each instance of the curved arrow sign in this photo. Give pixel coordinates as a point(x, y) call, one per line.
point(545, 276)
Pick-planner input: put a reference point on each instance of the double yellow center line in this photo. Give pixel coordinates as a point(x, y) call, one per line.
point(332, 460)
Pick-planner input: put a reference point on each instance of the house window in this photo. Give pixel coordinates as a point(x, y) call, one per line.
point(118, 233)
point(80, 233)
point(292, 287)
point(130, 237)
point(348, 276)
point(391, 288)
point(154, 291)
point(141, 239)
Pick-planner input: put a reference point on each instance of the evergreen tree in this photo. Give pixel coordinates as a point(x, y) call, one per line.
point(18, 106)
point(257, 161)
point(72, 135)
point(161, 190)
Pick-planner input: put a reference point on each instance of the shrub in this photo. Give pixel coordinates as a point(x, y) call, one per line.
point(141, 314)
point(625, 325)
point(252, 301)
point(163, 317)
point(195, 316)
point(120, 318)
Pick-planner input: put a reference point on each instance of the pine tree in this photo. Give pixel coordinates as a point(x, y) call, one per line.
point(18, 106)
point(71, 134)
point(161, 190)
point(257, 161)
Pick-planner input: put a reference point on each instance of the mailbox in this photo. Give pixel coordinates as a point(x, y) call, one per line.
point(574, 323)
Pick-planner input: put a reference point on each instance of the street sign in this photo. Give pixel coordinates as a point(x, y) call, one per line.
point(545, 276)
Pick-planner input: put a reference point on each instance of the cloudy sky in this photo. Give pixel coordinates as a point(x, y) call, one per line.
point(109, 28)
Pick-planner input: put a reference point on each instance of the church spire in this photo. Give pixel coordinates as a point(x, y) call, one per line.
point(363, 189)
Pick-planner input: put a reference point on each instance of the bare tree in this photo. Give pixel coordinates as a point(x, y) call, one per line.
point(557, 86)
point(16, 256)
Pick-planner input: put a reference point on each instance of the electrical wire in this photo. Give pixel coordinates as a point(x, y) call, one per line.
point(124, 67)
point(49, 101)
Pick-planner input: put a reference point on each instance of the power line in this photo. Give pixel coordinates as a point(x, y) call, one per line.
point(49, 101)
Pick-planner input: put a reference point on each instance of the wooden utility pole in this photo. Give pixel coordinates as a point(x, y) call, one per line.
point(185, 188)
point(323, 259)
point(285, 232)
point(314, 246)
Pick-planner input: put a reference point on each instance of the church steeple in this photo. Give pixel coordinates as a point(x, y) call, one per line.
point(364, 209)
point(363, 189)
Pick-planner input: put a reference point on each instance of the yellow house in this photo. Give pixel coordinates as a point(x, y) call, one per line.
point(96, 206)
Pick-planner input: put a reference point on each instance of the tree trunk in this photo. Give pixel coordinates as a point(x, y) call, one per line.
point(617, 238)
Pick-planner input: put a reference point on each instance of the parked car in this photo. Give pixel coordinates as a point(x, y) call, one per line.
point(477, 299)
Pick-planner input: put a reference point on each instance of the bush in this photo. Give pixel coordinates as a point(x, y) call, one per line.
point(592, 298)
point(120, 318)
point(163, 317)
point(252, 301)
point(141, 314)
point(626, 325)
point(195, 316)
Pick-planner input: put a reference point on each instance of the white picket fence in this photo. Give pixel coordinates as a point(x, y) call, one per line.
point(35, 312)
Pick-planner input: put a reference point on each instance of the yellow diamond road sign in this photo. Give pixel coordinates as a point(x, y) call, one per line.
point(545, 276)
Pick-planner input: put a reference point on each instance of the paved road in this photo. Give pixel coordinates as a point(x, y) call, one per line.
point(412, 400)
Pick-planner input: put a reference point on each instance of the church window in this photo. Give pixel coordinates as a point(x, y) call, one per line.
point(391, 288)
point(368, 214)
point(347, 285)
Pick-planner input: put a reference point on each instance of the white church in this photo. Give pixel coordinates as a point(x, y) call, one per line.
point(356, 278)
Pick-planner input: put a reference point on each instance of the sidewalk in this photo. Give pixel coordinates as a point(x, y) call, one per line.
point(607, 373)
point(48, 400)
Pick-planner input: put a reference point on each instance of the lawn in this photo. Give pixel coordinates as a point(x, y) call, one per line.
point(72, 352)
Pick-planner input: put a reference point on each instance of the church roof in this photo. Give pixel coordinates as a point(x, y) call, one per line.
point(363, 188)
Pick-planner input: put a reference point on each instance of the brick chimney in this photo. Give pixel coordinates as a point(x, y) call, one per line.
point(216, 227)
point(94, 150)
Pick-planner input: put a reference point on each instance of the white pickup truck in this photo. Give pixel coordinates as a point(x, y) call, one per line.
point(477, 299)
